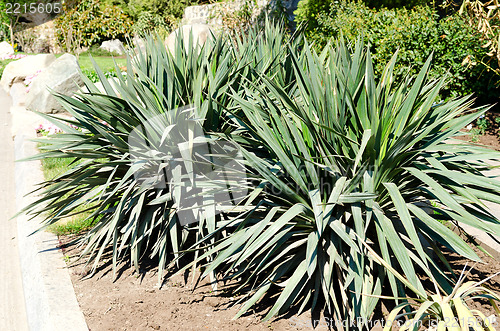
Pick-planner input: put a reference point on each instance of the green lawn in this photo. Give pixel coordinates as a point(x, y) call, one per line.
point(106, 63)
point(53, 167)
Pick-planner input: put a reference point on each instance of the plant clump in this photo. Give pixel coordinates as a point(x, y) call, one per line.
point(349, 179)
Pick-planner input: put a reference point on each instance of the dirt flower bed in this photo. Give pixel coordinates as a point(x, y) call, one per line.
point(491, 136)
point(135, 302)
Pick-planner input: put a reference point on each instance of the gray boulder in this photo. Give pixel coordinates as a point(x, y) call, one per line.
point(62, 76)
point(113, 46)
point(6, 49)
point(17, 71)
point(200, 32)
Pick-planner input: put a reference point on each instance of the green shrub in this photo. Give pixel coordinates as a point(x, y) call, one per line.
point(170, 11)
point(91, 22)
point(309, 11)
point(415, 33)
point(149, 22)
point(342, 168)
point(95, 50)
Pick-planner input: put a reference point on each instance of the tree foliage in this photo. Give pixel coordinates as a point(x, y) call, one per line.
point(416, 33)
point(484, 17)
point(90, 22)
point(9, 17)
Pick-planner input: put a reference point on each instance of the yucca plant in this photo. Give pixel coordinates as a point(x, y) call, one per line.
point(341, 166)
point(347, 163)
point(132, 216)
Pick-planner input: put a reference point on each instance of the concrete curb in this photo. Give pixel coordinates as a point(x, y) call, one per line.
point(49, 295)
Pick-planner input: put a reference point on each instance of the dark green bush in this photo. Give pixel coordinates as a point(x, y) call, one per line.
point(91, 22)
point(416, 33)
point(148, 22)
point(170, 11)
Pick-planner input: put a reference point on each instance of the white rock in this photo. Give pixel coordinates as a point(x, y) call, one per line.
point(17, 71)
point(62, 76)
point(114, 46)
point(6, 49)
point(18, 94)
point(200, 33)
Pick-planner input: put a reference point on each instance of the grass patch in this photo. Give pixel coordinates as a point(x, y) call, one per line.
point(53, 167)
point(74, 226)
point(3, 64)
point(106, 63)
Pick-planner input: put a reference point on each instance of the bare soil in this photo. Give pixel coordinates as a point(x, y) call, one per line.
point(491, 138)
point(135, 302)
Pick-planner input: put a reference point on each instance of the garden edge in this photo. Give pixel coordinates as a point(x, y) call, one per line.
point(49, 295)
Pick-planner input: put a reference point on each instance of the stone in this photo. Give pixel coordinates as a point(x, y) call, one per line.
point(200, 32)
point(17, 71)
point(62, 76)
point(18, 94)
point(211, 13)
point(6, 49)
point(39, 36)
point(113, 46)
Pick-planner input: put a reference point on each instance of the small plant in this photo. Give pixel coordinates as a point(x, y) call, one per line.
point(451, 311)
point(15, 56)
point(49, 128)
point(475, 135)
point(482, 124)
point(94, 77)
point(29, 80)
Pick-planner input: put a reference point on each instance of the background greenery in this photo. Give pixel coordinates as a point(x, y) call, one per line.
point(91, 22)
point(415, 32)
